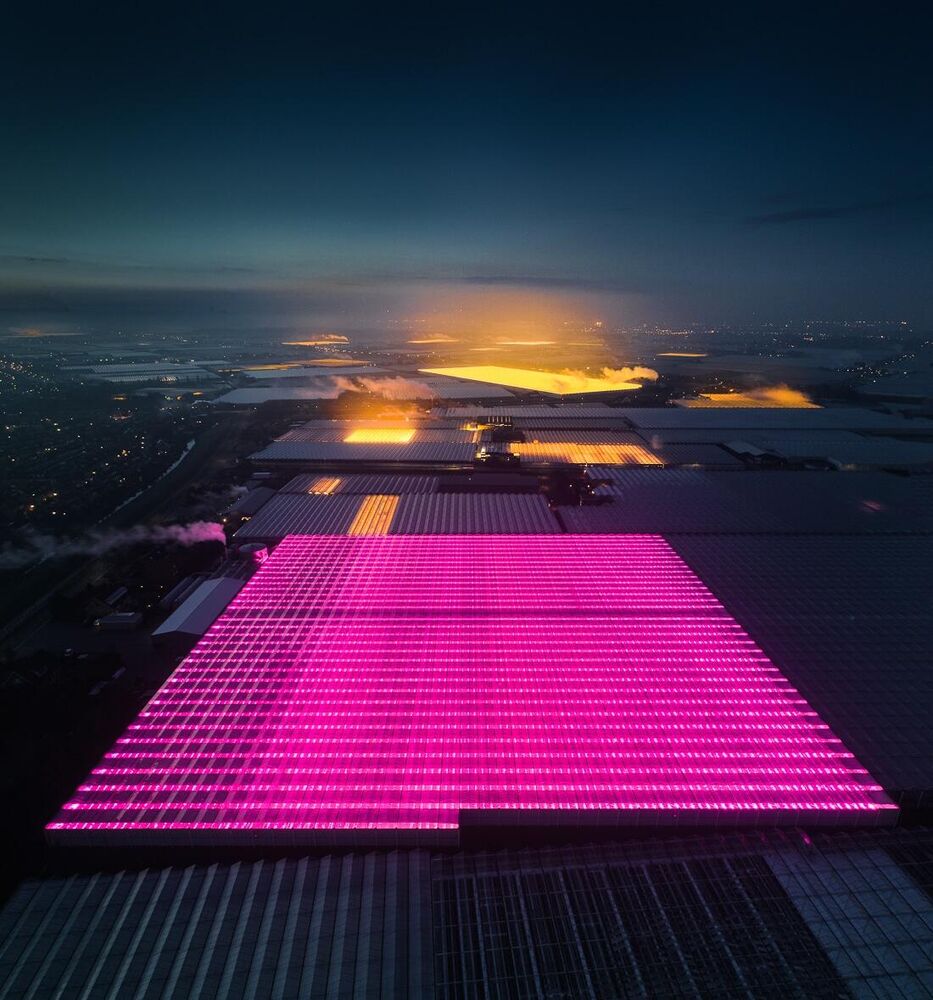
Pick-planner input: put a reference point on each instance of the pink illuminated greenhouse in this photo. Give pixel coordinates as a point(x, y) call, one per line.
point(395, 689)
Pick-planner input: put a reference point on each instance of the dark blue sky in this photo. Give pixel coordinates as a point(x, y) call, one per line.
point(697, 164)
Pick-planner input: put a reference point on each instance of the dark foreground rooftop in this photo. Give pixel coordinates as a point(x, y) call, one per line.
point(753, 915)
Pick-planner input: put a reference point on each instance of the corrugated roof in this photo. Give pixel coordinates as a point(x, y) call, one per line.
point(570, 423)
point(608, 436)
point(297, 451)
point(337, 432)
point(195, 615)
point(709, 456)
point(573, 453)
point(762, 501)
point(777, 913)
point(310, 371)
point(353, 482)
point(848, 620)
point(424, 513)
point(254, 397)
point(654, 503)
point(659, 438)
point(851, 449)
point(353, 926)
point(473, 513)
point(375, 515)
point(837, 417)
point(538, 410)
point(252, 501)
point(301, 514)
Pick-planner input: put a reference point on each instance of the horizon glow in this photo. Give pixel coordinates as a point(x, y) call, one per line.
point(387, 689)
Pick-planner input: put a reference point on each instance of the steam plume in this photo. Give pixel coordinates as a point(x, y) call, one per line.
point(38, 547)
point(389, 388)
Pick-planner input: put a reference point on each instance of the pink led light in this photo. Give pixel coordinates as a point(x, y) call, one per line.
point(413, 683)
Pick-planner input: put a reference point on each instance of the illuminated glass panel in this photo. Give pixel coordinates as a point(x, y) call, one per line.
point(374, 516)
point(384, 688)
point(585, 453)
point(380, 435)
point(324, 485)
point(556, 383)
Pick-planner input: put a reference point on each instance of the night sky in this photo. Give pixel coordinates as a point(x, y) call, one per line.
point(697, 165)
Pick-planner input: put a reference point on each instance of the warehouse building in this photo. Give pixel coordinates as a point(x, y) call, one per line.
point(763, 613)
point(775, 915)
point(410, 513)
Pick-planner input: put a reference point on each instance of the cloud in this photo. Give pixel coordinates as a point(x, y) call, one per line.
point(109, 267)
point(14, 258)
point(824, 212)
point(545, 281)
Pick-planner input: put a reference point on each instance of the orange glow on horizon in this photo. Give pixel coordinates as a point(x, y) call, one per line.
point(375, 515)
point(380, 435)
point(486, 315)
point(556, 383)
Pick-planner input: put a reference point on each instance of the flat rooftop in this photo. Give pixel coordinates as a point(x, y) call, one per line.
point(392, 690)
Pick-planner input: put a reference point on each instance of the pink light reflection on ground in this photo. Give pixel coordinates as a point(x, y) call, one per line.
point(388, 683)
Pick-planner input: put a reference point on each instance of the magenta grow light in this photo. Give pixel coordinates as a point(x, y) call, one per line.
point(394, 688)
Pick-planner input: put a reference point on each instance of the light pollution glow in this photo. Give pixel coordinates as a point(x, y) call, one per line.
point(555, 383)
point(380, 435)
point(375, 515)
point(499, 316)
point(583, 453)
point(324, 486)
point(770, 398)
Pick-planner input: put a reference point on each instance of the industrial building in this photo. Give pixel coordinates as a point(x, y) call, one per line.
point(778, 914)
point(421, 639)
point(469, 733)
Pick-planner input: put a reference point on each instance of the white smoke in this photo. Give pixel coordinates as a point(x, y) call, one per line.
point(388, 388)
point(37, 547)
point(572, 380)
